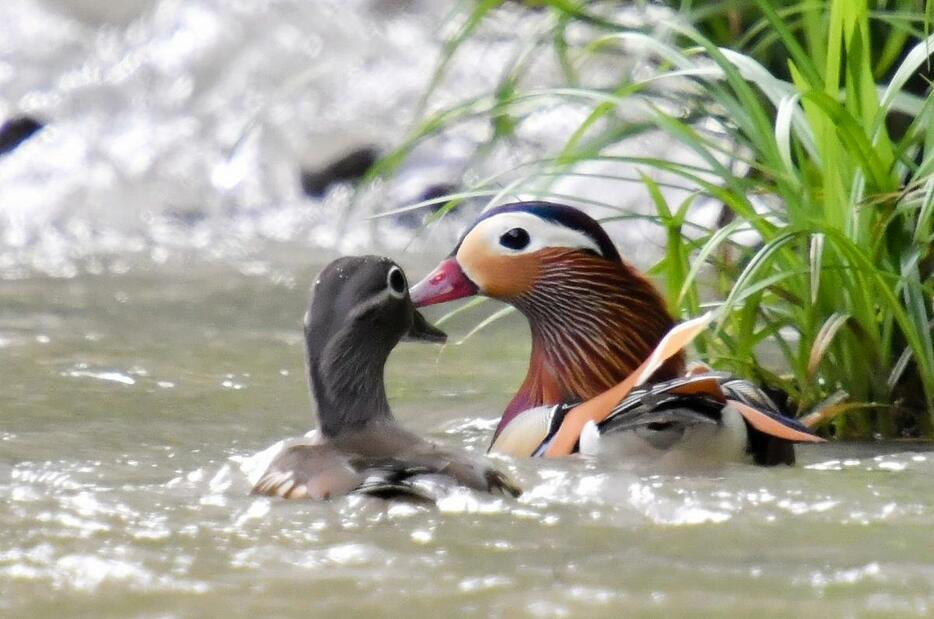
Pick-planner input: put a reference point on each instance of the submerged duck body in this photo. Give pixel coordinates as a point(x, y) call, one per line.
point(594, 322)
point(360, 310)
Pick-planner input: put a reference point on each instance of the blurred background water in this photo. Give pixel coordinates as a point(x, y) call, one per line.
point(185, 124)
point(156, 248)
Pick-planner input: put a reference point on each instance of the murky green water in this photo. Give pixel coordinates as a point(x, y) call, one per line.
point(125, 396)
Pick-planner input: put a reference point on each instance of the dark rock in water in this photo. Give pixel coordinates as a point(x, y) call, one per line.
point(436, 191)
point(350, 167)
point(16, 131)
point(416, 217)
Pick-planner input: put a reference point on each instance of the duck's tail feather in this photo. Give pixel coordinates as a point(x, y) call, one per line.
point(771, 433)
point(500, 483)
point(775, 424)
point(762, 415)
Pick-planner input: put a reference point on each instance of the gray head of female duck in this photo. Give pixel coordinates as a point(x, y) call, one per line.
point(360, 309)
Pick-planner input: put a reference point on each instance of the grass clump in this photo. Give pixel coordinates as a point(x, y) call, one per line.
point(811, 122)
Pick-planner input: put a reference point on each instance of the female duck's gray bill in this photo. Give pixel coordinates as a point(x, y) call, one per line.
point(423, 331)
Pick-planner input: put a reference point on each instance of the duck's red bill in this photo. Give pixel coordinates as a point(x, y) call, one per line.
point(446, 283)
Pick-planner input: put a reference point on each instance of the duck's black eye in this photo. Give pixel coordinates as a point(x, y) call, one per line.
point(395, 281)
point(517, 238)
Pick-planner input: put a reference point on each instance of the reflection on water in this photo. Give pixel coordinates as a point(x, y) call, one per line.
point(131, 400)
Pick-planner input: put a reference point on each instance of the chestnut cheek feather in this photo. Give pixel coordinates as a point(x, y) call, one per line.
point(506, 277)
point(498, 276)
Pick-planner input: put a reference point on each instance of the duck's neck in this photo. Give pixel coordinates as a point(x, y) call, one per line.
point(593, 322)
point(346, 380)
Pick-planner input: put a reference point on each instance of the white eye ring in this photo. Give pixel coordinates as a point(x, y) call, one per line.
point(395, 283)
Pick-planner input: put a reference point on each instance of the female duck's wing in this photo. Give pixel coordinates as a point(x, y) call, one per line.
point(384, 461)
point(474, 472)
point(321, 472)
point(389, 442)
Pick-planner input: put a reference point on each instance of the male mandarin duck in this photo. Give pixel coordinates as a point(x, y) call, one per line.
point(360, 310)
point(607, 358)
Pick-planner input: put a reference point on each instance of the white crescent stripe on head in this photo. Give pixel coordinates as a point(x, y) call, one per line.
point(542, 233)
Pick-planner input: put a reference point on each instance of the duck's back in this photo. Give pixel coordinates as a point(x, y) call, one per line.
point(385, 461)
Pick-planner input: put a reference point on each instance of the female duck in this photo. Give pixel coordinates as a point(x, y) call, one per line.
point(595, 323)
point(359, 311)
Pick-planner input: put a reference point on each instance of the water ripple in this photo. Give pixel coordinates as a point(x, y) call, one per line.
point(81, 371)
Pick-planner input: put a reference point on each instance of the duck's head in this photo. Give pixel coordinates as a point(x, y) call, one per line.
point(366, 299)
point(593, 318)
point(360, 309)
point(504, 254)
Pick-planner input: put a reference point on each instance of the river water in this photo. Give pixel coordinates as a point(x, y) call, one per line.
point(155, 257)
point(130, 399)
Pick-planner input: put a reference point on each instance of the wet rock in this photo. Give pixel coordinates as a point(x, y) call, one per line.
point(417, 217)
point(437, 191)
point(349, 167)
point(95, 13)
point(16, 131)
